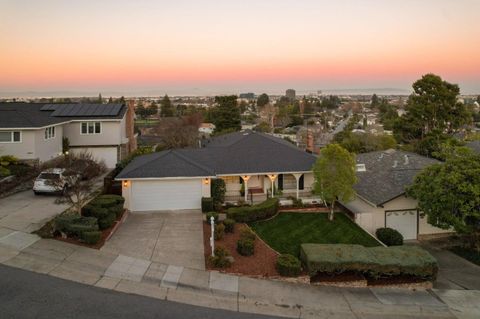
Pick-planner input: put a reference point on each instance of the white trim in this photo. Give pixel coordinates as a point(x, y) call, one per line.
point(161, 178)
point(59, 123)
point(12, 141)
point(264, 173)
point(366, 200)
point(49, 137)
point(94, 125)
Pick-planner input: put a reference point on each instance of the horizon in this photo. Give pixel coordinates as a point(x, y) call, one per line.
point(215, 47)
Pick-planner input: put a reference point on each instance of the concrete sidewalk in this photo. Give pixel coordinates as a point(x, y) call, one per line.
point(222, 291)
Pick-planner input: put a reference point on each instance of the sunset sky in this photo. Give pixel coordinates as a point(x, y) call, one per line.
point(232, 46)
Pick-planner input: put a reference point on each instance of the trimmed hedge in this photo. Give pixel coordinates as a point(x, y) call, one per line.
point(117, 210)
point(288, 265)
point(229, 225)
point(95, 211)
point(219, 231)
point(389, 236)
point(375, 262)
point(117, 198)
point(207, 204)
point(91, 237)
point(107, 221)
point(245, 247)
point(221, 259)
point(246, 233)
point(74, 225)
point(253, 213)
point(212, 214)
point(218, 189)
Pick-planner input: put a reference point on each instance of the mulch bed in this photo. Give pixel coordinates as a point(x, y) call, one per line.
point(106, 233)
point(261, 264)
point(343, 277)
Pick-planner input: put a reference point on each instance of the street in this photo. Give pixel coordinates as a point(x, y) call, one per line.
point(26, 294)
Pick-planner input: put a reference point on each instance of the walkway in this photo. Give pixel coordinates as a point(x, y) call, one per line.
point(216, 290)
point(174, 238)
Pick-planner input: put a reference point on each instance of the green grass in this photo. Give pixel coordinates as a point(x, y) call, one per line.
point(469, 254)
point(286, 232)
point(147, 122)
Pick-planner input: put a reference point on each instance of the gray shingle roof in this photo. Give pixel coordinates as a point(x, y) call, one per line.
point(243, 152)
point(388, 173)
point(31, 115)
point(475, 146)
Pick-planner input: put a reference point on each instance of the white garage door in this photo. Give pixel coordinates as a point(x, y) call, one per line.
point(106, 154)
point(166, 194)
point(403, 221)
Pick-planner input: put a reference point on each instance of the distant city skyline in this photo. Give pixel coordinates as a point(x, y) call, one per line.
point(209, 47)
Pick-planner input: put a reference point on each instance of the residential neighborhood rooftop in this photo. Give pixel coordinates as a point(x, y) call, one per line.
point(387, 173)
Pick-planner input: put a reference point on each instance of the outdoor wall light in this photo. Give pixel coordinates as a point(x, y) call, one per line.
point(125, 184)
point(206, 181)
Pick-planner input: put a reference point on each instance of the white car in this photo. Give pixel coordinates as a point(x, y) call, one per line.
point(51, 181)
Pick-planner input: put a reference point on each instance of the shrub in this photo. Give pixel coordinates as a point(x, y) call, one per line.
point(229, 225)
point(107, 221)
point(117, 210)
point(62, 221)
point(218, 190)
point(221, 260)
point(104, 202)
point(91, 237)
point(389, 236)
point(375, 262)
point(90, 210)
point(219, 231)
point(214, 215)
point(117, 198)
point(246, 233)
point(253, 213)
point(207, 204)
point(245, 247)
point(288, 265)
point(74, 225)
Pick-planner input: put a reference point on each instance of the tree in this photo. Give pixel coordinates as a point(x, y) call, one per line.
point(141, 111)
point(449, 193)
point(334, 173)
point(100, 99)
point(167, 109)
point(263, 100)
point(152, 109)
point(79, 178)
point(179, 133)
point(263, 127)
point(374, 102)
point(226, 114)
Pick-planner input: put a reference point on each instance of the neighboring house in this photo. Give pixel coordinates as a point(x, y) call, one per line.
point(474, 146)
point(33, 132)
point(380, 193)
point(206, 128)
point(178, 179)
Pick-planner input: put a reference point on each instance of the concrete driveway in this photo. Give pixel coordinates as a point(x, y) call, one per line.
point(168, 237)
point(26, 212)
point(454, 271)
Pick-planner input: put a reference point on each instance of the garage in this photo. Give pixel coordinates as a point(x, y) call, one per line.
point(166, 194)
point(405, 222)
point(106, 154)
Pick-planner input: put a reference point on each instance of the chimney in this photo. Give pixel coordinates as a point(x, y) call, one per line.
point(129, 126)
point(406, 160)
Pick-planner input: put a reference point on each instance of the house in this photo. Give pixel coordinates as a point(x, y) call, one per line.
point(245, 160)
point(33, 132)
point(380, 199)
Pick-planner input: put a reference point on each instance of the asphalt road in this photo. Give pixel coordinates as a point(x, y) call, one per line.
point(26, 294)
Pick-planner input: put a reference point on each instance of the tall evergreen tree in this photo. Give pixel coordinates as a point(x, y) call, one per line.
point(167, 109)
point(226, 114)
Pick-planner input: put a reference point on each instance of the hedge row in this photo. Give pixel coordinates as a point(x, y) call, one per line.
point(74, 225)
point(106, 208)
point(375, 262)
point(253, 213)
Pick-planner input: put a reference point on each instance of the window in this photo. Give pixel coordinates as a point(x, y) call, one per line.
point(301, 183)
point(10, 137)
point(49, 132)
point(91, 128)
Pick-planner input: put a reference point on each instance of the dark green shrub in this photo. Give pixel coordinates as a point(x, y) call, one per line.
point(218, 190)
point(389, 236)
point(107, 221)
point(260, 211)
point(219, 231)
point(91, 237)
point(229, 225)
point(246, 233)
point(103, 202)
point(245, 247)
point(212, 214)
point(221, 259)
point(207, 204)
point(288, 265)
point(117, 210)
point(117, 198)
point(62, 221)
point(80, 225)
point(90, 210)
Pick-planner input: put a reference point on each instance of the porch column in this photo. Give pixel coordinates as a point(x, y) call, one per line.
point(272, 179)
point(297, 178)
point(245, 185)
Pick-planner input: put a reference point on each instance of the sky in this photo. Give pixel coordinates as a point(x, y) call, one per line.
point(231, 46)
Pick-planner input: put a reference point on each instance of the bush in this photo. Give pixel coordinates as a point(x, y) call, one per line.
point(207, 204)
point(74, 225)
point(91, 237)
point(246, 233)
point(219, 231)
point(214, 215)
point(90, 210)
point(229, 225)
point(218, 190)
point(245, 247)
point(375, 262)
point(221, 259)
point(117, 198)
point(107, 221)
point(288, 265)
point(253, 213)
point(389, 236)
point(117, 210)
point(104, 202)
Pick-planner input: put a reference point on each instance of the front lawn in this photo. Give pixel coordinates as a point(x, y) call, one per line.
point(286, 232)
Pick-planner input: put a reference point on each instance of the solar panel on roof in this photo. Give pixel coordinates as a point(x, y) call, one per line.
point(81, 110)
point(48, 107)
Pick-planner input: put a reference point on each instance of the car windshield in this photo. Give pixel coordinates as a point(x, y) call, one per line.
point(50, 176)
